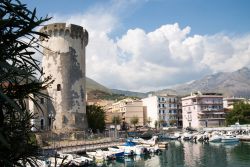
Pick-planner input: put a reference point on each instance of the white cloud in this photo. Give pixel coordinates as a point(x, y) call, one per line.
point(143, 61)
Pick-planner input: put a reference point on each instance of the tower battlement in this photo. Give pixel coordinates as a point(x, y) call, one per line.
point(61, 29)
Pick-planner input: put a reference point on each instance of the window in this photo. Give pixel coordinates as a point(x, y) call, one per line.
point(42, 100)
point(159, 111)
point(58, 87)
point(163, 111)
point(162, 105)
point(42, 124)
point(159, 105)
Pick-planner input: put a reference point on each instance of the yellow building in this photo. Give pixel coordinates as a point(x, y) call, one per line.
point(129, 108)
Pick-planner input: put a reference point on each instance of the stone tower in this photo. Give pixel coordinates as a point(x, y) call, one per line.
point(64, 59)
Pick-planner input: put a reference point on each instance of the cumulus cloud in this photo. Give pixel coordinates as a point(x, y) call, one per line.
point(143, 61)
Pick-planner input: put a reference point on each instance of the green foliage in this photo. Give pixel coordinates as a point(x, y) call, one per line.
point(96, 117)
point(240, 112)
point(116, 120)
point(162, 122)
point(134, 120)
point(18, 72)
point(149, 120)
point(98, 94)
point(156, 124)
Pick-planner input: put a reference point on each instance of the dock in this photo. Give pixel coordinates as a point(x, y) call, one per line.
point(81, 146)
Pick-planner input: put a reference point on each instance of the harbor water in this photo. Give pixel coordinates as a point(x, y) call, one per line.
point(188, 154)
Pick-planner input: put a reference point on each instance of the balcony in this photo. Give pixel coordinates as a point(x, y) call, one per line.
point(213, 110)
point(208, 103)
point(211, 116)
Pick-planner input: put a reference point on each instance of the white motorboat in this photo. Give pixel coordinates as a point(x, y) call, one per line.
point(100, 155)
point(244, 137)
point(175, 136)
point(74, 159)
point(82, 161)
point(130, 148)
point(215, 138)
point(187, 136)
point(151, 141)
point(229, 139)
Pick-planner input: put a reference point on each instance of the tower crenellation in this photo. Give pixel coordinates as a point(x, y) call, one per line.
point(61, 29)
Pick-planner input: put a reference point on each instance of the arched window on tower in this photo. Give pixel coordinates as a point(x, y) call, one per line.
point(58, 87)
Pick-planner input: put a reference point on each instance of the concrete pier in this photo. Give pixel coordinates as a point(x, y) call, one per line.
point(81, 146)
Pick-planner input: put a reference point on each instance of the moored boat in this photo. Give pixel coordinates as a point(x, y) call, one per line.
point(116, 152)
point(229, 139)
point(215, 138)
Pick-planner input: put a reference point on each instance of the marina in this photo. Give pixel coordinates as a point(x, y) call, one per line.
point(181, 153)
point(183, 149)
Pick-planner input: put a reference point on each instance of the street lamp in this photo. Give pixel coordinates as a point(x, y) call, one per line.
point(51, 120)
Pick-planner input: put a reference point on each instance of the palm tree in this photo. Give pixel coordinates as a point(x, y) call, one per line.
point(19, 71)
point(149, 121)
point(134, 120)
point(116, 119)
point(162, 122)
point(156, 124)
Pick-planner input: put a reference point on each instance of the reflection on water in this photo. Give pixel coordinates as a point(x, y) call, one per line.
point(187, 154)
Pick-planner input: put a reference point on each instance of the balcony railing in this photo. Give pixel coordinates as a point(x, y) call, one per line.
point(210, 116)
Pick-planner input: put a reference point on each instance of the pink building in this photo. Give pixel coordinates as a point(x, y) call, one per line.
point(203, 110)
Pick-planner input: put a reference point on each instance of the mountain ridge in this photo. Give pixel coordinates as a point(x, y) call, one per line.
point(236, 83)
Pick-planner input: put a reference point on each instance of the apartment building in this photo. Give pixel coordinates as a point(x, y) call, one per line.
point(129, 108)
point(164, 109)
point(203, 110)
point(229, 101)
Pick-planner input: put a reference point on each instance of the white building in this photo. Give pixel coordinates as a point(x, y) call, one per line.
point(203, 110)
point(229, 101)
point(162, 108)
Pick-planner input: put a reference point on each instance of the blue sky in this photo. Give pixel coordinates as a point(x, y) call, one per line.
point(204, 16)
point(153, 44)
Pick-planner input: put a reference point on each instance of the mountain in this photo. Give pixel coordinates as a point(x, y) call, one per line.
point(96, 90)
point(129, 93)
point(235, 83)
point(92, 85)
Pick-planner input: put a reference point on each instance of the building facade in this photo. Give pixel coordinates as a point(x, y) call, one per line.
point(203, 110)
point(229, 102)
point(64, 60)
point(163, 109)
point(127, 109)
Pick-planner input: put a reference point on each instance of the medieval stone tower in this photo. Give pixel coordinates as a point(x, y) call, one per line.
point(64, 59)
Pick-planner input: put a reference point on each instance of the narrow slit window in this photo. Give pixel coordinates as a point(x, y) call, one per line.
point(59, 87)
point(42, 100)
